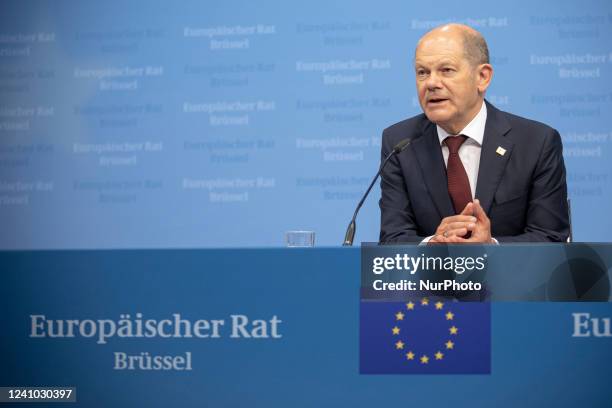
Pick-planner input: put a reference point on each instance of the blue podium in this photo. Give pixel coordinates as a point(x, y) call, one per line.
point(262, 327)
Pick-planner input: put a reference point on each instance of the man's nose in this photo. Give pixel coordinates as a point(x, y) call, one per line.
point(433, 81)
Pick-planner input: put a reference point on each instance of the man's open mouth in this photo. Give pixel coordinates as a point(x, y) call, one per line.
point(434, 101)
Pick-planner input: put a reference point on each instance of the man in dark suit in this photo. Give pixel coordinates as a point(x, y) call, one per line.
point(471, 173)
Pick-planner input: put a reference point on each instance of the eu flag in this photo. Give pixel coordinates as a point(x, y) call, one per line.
point(425, 336)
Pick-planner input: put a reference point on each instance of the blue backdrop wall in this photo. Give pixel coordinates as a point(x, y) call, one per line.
point(196, 124)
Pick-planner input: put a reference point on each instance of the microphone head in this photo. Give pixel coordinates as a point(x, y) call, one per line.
point(401, 146)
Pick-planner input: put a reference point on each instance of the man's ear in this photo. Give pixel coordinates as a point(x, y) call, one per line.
point(485, 74)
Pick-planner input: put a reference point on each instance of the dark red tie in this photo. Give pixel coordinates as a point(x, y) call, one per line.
point(458, 182)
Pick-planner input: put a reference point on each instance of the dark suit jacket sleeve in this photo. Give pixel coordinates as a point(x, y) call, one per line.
point(547, 217)
point(397, 222)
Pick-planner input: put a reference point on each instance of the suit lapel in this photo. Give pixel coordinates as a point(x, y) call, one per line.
point(493, 160)
point(429, 157)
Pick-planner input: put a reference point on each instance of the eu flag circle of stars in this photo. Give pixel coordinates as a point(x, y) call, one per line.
point(411, 354)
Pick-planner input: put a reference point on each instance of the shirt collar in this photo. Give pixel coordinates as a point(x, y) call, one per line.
point(474, 130)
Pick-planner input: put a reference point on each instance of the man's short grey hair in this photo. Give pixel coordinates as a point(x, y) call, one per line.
point(475, 47)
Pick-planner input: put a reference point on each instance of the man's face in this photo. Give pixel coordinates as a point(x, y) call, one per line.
point(447, 84)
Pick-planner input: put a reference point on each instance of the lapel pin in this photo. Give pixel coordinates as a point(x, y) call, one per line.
point(501, 151)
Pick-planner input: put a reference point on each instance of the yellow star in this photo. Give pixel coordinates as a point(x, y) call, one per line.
point(439, 305)
point(453, 330)
point(424, 360)
point(439, 356)
point(410, 306)
point(399, 345)
point(395, 330)
point(424, 302)
point(449, 316)
point(399, 316)
point(410, 355)
point(450, 345)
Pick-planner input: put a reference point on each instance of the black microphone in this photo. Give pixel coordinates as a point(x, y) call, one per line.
point(350, 230)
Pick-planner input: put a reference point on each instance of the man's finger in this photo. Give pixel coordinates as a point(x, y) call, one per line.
point(459, 232)
point(470, 225)
point(468, 210)
point(457, 218)
point(456, 240)
point(479, 212)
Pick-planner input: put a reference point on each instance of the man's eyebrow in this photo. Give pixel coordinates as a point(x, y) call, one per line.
point(444, 61)
point(447, 61)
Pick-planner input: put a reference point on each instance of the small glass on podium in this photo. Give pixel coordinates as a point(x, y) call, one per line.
point(299, 239)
